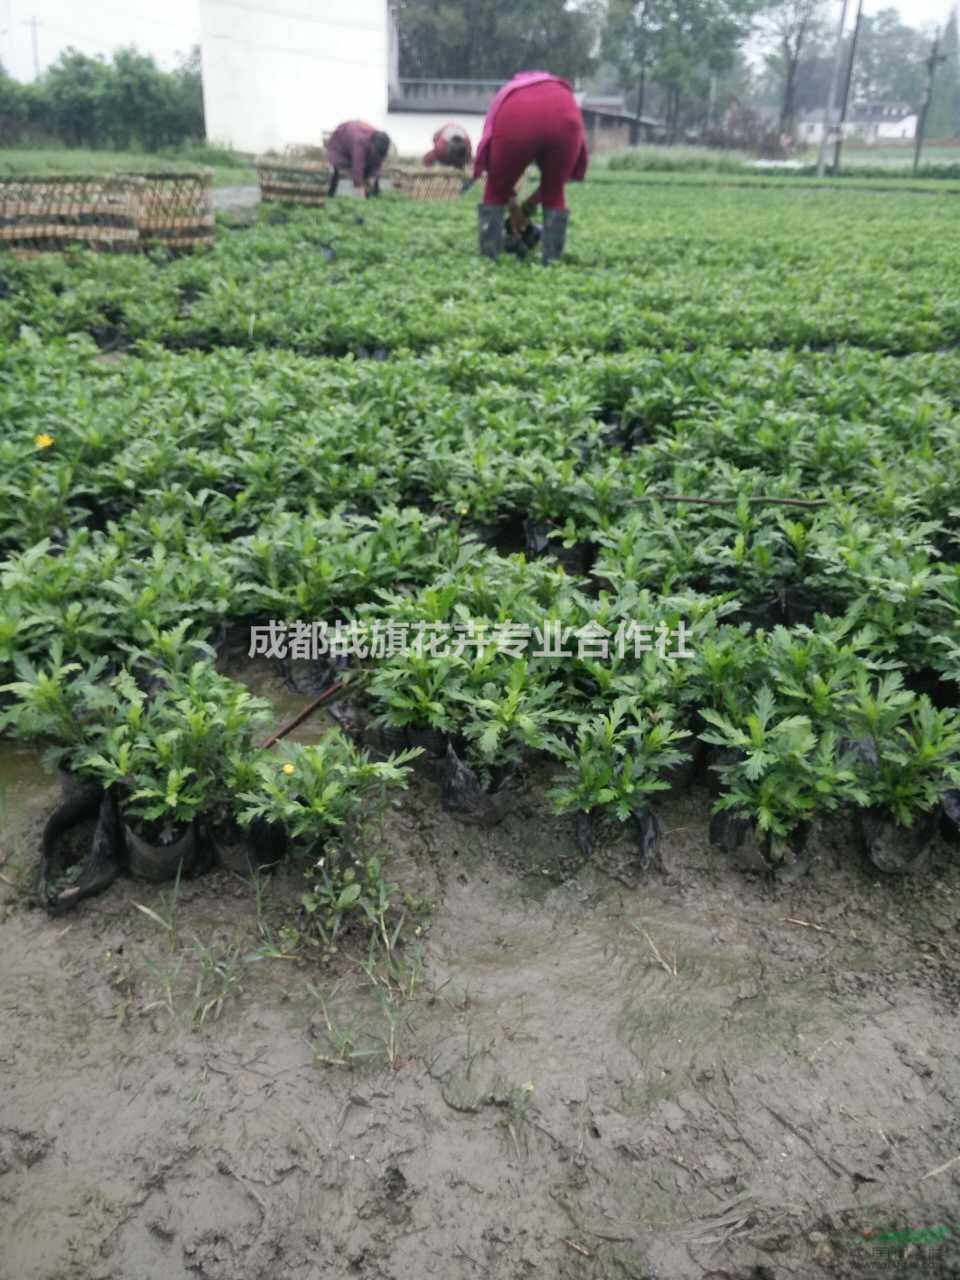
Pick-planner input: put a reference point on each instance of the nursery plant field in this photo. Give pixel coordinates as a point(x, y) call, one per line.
point(664, 537)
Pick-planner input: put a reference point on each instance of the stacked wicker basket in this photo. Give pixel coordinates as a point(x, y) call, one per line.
point(45, 213)
point(174, 208)
point(300, 176)
point(116, 213)
point(425, 182)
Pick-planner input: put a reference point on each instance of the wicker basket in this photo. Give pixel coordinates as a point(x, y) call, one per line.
point(301, 176)
point(49, 212)
point(174, 208)
point(424, 182)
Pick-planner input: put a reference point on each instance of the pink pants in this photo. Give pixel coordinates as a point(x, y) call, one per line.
point(538, 125)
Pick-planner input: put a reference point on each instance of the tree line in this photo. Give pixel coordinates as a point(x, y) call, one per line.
point(684, 61)
point(681, 61)
point(126, 102)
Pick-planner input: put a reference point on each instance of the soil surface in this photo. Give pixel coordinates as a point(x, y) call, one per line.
point(583, 1071)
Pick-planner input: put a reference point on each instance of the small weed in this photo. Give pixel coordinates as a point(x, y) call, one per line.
point(218, 977)
point(165, 914)
point(166, 980)
point(343, 1041)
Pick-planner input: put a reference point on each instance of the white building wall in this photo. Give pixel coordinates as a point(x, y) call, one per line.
point(277, 72)
point(282, 71)
point(899, 129)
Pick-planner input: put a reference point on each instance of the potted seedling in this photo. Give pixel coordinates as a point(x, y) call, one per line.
point(912, 764)
point(778, 776)
point(57, 704)
point(509, 711)
point(169, 755)
point(323, 790)
point(615, 765)
point(323, 796)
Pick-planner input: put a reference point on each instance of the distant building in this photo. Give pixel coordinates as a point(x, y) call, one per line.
point(879, 121)
point(869, 122)
point(608, 124)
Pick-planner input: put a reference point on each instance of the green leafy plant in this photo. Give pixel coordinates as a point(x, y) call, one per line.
point(316, 791)
point(343, 892)
point(617, 760)
point(514, 714)
point(173, 753)
point(57, 704)
point(784, 772)
point(915, 748)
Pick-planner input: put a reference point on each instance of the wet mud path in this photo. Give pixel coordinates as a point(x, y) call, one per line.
point(696, 1074)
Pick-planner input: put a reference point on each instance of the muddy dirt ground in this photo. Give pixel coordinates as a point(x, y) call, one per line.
point(587, 1073)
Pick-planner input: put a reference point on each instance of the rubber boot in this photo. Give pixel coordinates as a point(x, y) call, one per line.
point(490, 229)
point(554, 234)
point(334, 183)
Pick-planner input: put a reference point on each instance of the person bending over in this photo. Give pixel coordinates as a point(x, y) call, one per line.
point(534, 119)
point(451, 146)
point(358, 149)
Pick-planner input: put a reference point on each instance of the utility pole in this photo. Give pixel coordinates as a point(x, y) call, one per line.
point(845, 101)
point(34, 25)
point(834, 86)
point(933, 61)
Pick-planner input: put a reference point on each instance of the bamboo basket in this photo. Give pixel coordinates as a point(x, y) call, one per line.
point(425, 182)
point(54, 212)
point(174, 208)
point(300, 176)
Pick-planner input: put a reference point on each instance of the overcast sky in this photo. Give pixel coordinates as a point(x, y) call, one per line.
point(167, 28)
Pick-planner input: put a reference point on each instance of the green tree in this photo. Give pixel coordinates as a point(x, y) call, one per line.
point(124, 103)
point(487, 40)
point(71, 98)
point(889, 65)
point(944, 110)
point(684, 46)
point(790, 30)
point(14, 110)
point(628, 42)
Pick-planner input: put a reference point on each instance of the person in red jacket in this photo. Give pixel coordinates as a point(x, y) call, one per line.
point(451, 146)
point(358, 149)
point(533, 119)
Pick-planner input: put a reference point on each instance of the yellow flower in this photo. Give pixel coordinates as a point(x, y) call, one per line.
point(43, 441)
point(288, 769)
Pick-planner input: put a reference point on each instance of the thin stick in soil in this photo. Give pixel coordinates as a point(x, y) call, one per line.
point(578, 1248)
point(668, 968)
point(806, 924)
point(299, 718)
point(941, 1169)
